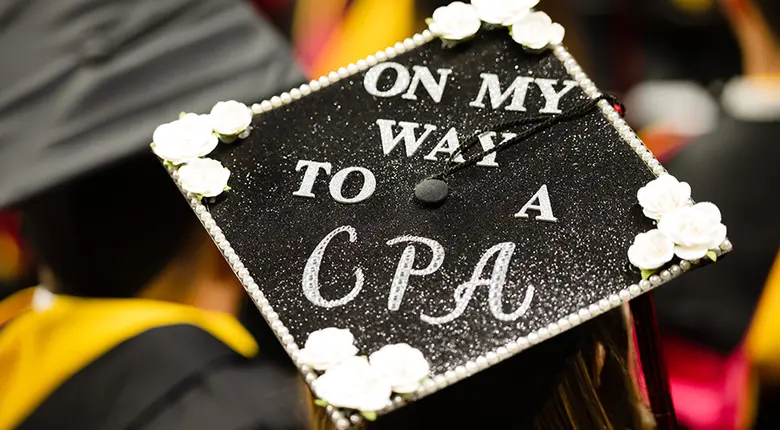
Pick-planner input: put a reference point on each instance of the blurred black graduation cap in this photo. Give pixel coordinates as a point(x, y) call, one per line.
point(83, 83)
point(366, 209)
point(94, 77)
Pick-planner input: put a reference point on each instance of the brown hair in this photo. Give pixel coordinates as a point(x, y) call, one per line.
point(593, 388)
point(599, 389)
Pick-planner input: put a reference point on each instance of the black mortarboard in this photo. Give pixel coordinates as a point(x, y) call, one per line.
point(366, 209)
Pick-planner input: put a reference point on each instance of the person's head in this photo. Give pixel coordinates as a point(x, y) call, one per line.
point(580, 379)
point(125, 231)
point(756, 24)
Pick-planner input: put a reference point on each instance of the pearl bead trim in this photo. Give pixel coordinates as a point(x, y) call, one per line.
point(339, 418)
point(622, 128)
point(343, 72)
point(482, 362)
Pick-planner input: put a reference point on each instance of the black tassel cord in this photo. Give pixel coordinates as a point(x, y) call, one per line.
point(538, 123)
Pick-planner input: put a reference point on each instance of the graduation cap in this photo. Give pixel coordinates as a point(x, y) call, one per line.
point(438, 208)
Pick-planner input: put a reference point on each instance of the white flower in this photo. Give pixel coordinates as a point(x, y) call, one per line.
point(327, 347)
point(353, 384)
point(188, 137)
point(402, 366)
point(204, 176)
point(663, 195)
point(536, 31)
point(230, 118)
point(694, 230)
point(456, 21)
point(503, 12)
point(651, 250)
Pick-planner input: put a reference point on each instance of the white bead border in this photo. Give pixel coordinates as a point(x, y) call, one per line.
point(490, 358)
point(344, 72)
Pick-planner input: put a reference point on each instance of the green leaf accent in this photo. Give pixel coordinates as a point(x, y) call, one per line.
point(365, 357)
point(152, 145)
point(199, 196)
point(712, 255)
point(227, 188)
point(181, 114)
point(369, 415)
point(226, 139)
point(646, 274)
point(428, 21)
point(321, 403)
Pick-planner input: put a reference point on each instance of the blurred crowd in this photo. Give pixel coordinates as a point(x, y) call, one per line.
point(674, 65)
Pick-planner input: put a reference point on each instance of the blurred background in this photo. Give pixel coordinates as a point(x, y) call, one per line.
point(669, 61)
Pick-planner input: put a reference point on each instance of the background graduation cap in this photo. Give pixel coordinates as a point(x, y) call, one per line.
point(469, 199)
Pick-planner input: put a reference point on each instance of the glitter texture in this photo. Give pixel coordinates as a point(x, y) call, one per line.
point(595, 164)
point(591, 175)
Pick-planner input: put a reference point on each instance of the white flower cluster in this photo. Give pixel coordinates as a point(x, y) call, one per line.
point(360, 383)
point(686, 230)
point(534, 30)
point(185, 142)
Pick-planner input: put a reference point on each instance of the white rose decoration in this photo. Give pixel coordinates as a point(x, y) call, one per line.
point(353, 384)
point(503, 12)
point(651, 250)
point(186, 138)
point(402, 366)
point(536, 31)
point(327, 347)
point(230, 118)
point(204, 176)
point(456, 21)
point(694, 230)
point(663, 195)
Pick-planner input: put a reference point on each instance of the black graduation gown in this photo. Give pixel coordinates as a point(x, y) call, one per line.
point(137, 364)
point(737, 167)
point(174, 377)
